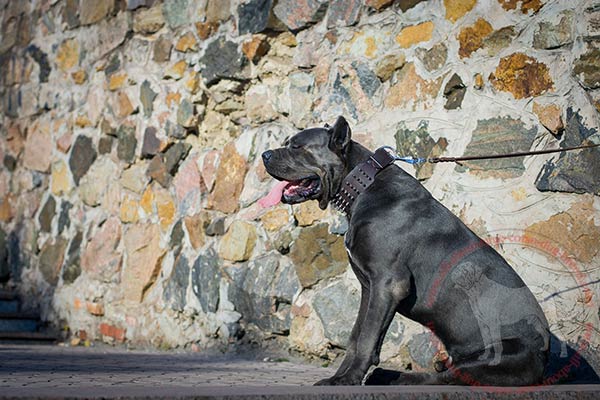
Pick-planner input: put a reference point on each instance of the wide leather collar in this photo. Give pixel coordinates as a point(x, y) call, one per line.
point(361, 177)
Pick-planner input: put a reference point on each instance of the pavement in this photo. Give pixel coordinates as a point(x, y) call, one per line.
point(53, 372)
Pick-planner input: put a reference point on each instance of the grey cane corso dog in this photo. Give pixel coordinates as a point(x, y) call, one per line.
point(403, 246)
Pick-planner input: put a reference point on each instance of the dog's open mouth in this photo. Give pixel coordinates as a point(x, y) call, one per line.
point(292, 192)
point(305, 188)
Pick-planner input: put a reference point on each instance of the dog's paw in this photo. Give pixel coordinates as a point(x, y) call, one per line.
point(342, 380)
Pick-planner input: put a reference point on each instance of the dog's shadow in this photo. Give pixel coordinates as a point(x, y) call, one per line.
point(570, 368)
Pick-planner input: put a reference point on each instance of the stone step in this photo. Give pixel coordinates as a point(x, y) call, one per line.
point(7, 295)
point(27, 336)
point(9, 306)
point(17, 322)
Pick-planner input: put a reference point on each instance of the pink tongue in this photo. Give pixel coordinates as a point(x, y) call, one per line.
point(274, 196)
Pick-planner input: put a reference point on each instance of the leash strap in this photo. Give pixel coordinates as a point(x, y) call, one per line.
point(434, 160)
point(361, 177)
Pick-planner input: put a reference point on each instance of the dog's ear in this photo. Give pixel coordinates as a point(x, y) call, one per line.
point(340, 134)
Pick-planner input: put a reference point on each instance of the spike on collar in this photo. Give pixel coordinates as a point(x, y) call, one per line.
point(361, 177)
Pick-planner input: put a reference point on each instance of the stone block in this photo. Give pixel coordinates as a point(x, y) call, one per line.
point(144, 260)
point(253, 16)
point(299, 15)
point(229, 181)
point(101, 258)
point(51, 259)
point(206, 278)
point(521, 75)
point(238, 242)
point(317, 255)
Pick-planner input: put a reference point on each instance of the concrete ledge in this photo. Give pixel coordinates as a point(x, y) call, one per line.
point(580, 392)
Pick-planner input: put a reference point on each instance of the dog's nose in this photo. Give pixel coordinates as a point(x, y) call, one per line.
point(266, 156)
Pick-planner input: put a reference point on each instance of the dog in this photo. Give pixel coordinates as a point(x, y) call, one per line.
point(403, 245)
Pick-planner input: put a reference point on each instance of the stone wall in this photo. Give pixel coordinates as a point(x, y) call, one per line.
point(130, 141)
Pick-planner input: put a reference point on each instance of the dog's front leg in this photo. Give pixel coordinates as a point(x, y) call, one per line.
point(352, 341)
point(381, 307)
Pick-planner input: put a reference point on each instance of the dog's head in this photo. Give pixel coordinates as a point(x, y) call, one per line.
point(312, 162)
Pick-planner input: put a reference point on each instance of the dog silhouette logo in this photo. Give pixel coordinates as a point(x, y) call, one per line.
point(484, 295)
